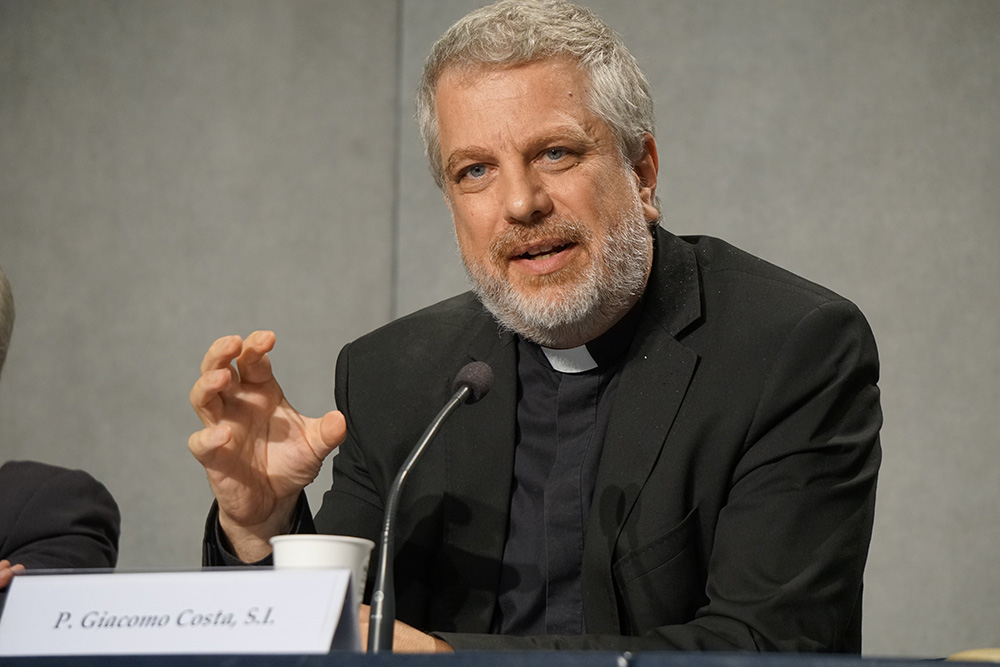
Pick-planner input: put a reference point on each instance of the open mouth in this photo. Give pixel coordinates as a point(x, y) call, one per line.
point(541, 252)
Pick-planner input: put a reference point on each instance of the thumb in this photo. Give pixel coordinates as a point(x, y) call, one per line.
point(332, 429)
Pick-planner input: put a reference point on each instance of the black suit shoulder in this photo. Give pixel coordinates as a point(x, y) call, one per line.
point(723, 264)
point(748, 303)
point(422, 336)
point(54, 517)
point(418, 355)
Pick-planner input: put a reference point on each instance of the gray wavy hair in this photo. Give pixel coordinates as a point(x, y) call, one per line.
point(515, 32)
point(6, 317)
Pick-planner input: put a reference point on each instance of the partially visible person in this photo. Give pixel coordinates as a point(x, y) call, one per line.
point(50, 517)
point(6, 317)
point(53, 517)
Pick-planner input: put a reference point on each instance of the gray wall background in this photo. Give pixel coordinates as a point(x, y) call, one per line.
point(175, 170)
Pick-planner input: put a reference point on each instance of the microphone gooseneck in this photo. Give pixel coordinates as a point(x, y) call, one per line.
point(471, 383)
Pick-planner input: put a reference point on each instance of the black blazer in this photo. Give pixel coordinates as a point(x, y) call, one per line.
point(735, 495)
point(52, 517)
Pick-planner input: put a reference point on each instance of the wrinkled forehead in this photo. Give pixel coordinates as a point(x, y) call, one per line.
point(468, 74)
point(512, 91)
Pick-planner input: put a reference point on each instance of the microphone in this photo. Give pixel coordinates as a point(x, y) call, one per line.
point(471, 384)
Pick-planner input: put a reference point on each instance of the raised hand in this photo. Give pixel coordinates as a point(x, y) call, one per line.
point(258, 451)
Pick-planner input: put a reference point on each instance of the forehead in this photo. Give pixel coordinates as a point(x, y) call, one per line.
point(558, 68)
point(522, 98)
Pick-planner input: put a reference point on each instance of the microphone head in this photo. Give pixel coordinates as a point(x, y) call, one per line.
point(477, 376)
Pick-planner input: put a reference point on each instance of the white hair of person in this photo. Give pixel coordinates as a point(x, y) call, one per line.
point(6, 317)
point(517, 32)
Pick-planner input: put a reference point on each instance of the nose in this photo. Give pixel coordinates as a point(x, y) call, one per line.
point(525, 199)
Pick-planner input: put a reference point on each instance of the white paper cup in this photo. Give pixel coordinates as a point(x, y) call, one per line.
point(325, 551)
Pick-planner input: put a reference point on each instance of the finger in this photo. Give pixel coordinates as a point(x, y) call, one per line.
point(206, 442)
point(253, 363)
point(206, 394)
point(7, 572)
point(221, 353)
point(363, 615)
point(330, 431)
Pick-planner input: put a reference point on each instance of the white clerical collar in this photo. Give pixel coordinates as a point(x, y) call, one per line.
point(573, 360)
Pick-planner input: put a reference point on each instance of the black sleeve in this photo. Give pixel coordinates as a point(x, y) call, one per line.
point(216, 550)
point(53, 517)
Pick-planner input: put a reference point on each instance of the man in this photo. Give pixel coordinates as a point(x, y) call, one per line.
point(680, 448)
point(50, 517)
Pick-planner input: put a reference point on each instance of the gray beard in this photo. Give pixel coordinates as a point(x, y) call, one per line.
point(588, 305)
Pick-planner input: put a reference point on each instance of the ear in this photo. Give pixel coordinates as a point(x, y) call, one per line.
point(447, 199)
point(646, 168)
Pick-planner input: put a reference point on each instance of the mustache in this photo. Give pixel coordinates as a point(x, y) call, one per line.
point(515, 237)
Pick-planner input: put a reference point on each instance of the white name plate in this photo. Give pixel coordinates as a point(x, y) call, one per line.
point(213, 611)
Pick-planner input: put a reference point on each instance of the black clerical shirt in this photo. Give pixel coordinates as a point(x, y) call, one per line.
point(564, 403)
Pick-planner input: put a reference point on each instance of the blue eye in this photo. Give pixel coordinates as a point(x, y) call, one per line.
point(555, 154)
point(475, 171)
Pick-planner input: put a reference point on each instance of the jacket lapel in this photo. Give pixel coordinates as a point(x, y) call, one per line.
point(650, 391)
point(479, 469)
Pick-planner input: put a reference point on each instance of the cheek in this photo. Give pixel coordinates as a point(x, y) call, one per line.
point(599, 194)
point(472, 229)
point(612, 200)
point(466, 244)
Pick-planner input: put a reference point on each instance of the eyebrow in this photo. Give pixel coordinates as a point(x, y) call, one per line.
point(471, 154)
